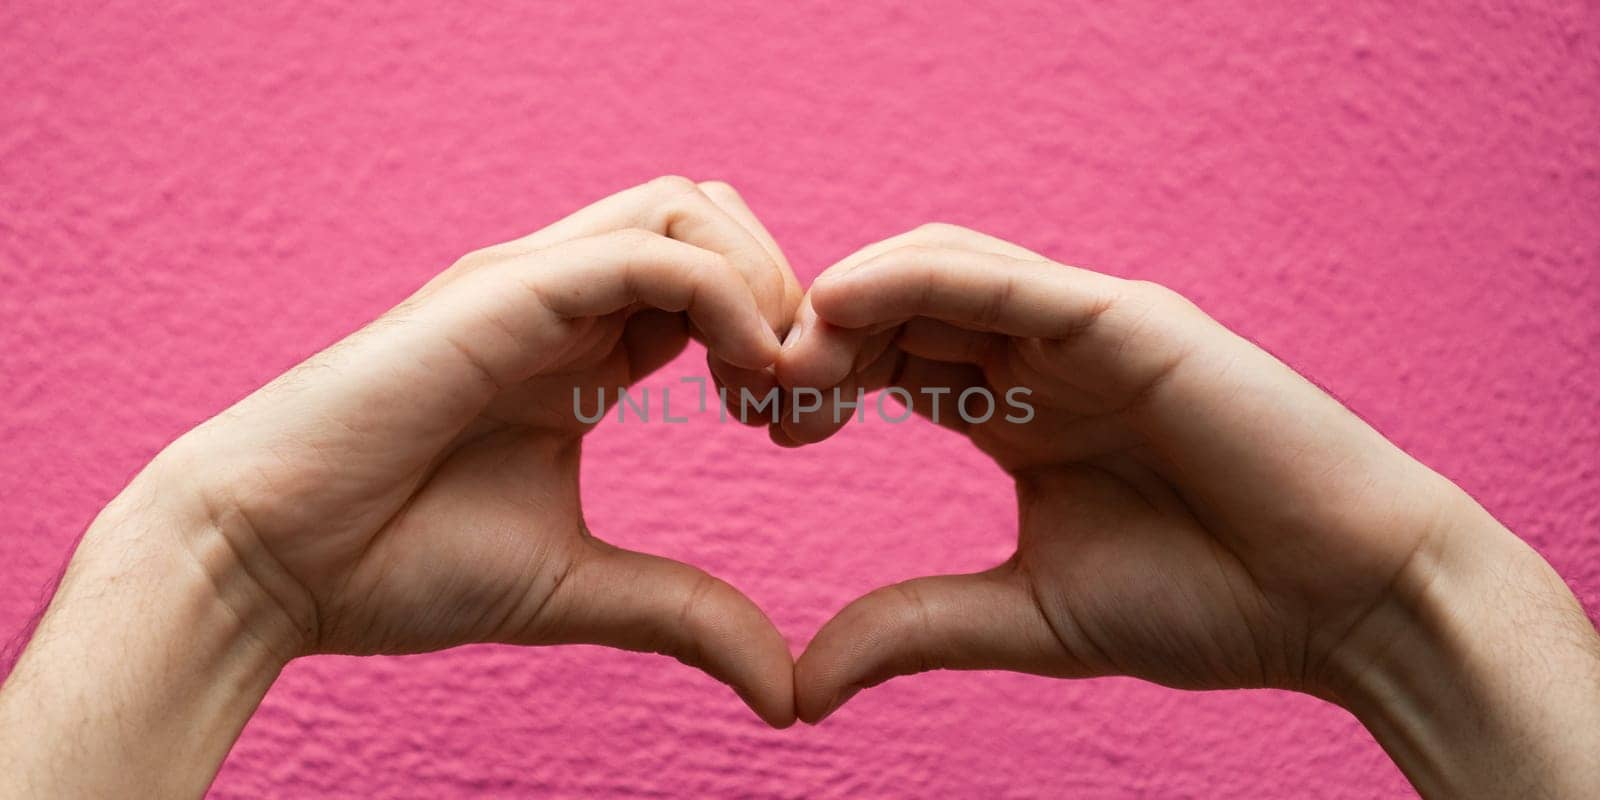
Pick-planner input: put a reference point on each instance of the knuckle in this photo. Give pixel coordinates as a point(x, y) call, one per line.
point(720, 266)
point(698, 607)
point(479, 258)
point(909, 256)
point(1156, 295)
point(673, 185)
point(706, 267)
point(633, 237)
point(185, 456)
point(906, 252)
point(632, 245)
point(900, 257)
point(677, 198)
point(939, 230)
point(948, 234)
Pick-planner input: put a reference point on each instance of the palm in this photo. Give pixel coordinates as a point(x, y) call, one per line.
point(1142, 568)
point(1132, 588)
point(465, 544)
point(415, 486)
point(1191, 510)
point(471, 556)
point(1127, 578)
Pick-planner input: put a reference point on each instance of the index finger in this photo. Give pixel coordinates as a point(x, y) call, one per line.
point(678, 208)
point(975, 290)
point(737, 380)
point(729, 200)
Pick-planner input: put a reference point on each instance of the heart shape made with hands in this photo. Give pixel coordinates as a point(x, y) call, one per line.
point(943, 311)
point(1191, 511)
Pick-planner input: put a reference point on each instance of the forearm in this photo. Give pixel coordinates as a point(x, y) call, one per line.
point(144, 668)
point(1482, 679)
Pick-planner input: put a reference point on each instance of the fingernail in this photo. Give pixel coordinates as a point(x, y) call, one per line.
point(794, 334)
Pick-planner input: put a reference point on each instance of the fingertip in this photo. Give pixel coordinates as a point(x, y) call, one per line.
point(824, 674)
point(766, 680)
point(767, 348)
point(771, 346)
point(834, 299)
point(801, 321)
point(781, 438)
point(779, 721)
point(813, 426)
point(790, 368)
point(977, 621)
point(762, 677)
point(819, 357)
point(744, 649)
point(755, 351)
point(776, 712)
point(834, 704)
point(635, 601)
point(812, 707)
point(817, 695)
point(737, 384)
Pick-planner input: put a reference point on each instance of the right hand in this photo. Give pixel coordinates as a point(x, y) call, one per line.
point(1191, 510)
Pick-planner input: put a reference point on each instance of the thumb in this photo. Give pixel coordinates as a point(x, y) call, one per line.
point(645, 603)
point(985, 620)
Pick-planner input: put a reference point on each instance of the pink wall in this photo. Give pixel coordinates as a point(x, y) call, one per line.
point(1404, 205)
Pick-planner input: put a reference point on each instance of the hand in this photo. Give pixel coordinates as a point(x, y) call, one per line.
point(415, 486)
point(1191, 511)
point(411, 488)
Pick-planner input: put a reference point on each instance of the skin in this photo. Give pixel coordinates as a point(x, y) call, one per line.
point(414, 487)
point(1192, 512)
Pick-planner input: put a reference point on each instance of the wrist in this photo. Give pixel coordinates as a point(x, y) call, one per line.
point(164, 517)
point(1479, 673)
point(150, 658)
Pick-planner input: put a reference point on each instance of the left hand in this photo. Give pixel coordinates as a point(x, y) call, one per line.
point(415, 486)
point(411, 488)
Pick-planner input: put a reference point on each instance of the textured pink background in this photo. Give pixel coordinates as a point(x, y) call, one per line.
point(1402, 204)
